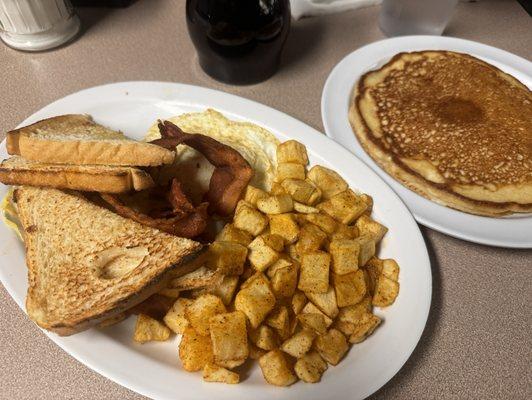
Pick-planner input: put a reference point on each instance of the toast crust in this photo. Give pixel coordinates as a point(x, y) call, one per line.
point(77, 139)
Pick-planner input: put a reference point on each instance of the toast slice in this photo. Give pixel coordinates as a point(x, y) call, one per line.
point(87, 264)
point(91, 178)
point(77, 139)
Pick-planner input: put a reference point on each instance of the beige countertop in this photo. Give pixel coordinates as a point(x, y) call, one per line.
point(477, 343)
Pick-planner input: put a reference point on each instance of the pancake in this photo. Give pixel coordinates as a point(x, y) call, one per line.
point(451, 127)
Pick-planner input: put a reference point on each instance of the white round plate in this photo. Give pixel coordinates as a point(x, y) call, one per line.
point(153, 369)
point(511, 231)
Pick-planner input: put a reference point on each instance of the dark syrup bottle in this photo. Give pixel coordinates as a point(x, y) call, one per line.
point(239, 41)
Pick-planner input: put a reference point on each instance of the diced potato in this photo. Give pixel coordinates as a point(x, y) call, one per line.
point(279, 320)
point(250, 220)
point(332, 346)
point(310, 367)
point(277, 189)
point(390, 269)
point(299, 344)
point(293, 253)
point(253, 194)
point(201, 310)
point(243, 203)
point(285, 226)
point(299, 300)
point(276, 242)
point(264, 337)
point(344, 207)
point(310, 308)
point(313, 321)
point(175, 319)
point(169, 292)
point(225, 289)
point(366, 198)
point(367, 249)
point(277, 204)
point(311, 238)
point(148, 329)
point(255, 353)
point(230, 233)
point(292, 151)
point(215, 373)
point(290, 170)
point(345, 255)
point(229, 339)
point(386, 290)
point(284, 280)
point(323, 221)
point(316, 195)
point(365, 328)
point(304, 209)
point(255, 299)
point(261, 256)
point(327, 180)
point(281, 263)
point(314, 276)
point(301, 190)
point(276, 369)
point(345, 232)
point(227, 258)
point(326, 302)
point(350, 288)
point(347, 328)
point(195, 350)
point(355, 314)
point(367, 226)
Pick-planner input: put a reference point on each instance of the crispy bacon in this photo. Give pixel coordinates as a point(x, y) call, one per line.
point(232, 172)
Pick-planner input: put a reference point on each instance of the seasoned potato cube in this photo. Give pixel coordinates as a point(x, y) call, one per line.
point(313, 321)
point(367, 249)
point(345, 232)
point(277, 204)
point(225, 289)
point(214, 373)
point(285, 226)
point(347, 328)
point(345, 255)
point(284, 280)
point(293, 253)
point(250, 220)
point(367, 226)
point(277, 189)
point(253, 194)
point(243, 203)
point(279, 320)
point(255, 353)
point(365, 328)
point(299, 300)
point(276, 369)
point(301, 190)
point(314, 276)
point(350, 288)
point(327, 180)
point(310, 367)
point(260, 255)
point(227, 258)
point(299, 344)
point(390, 269)
point(316, 195)
point(276, 242)
point(169, 292)
point(195, 350)
point(386, 290)
point(148, 329)
point(326, 302)
point(264, 337)
point(304, 209)
point(344, 207)
point(229, 339)
point(323, 221)
point(293, 152)
point(255, 299)
point(290, 171)
point(310, 308)
point(366, 198)
point(281, 263)
point(201, 310)
point(311, 238)
point(332, 346)
point(175, 318)
point(354, 314)
point(230, 233)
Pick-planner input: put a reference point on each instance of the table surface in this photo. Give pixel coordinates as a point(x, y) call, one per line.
point(477, 341)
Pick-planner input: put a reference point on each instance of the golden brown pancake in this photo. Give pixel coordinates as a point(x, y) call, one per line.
point(450, 127)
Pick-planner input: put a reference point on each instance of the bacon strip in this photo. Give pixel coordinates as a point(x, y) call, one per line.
point(232, 172)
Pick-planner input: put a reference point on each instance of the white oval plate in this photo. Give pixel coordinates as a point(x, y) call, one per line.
point(153, 369)
point(514, 231)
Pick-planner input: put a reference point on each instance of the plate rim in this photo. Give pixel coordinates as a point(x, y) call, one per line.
point(122, 379)
point(409, 43)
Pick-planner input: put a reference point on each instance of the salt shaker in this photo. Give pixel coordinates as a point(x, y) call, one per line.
point(35, 25)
